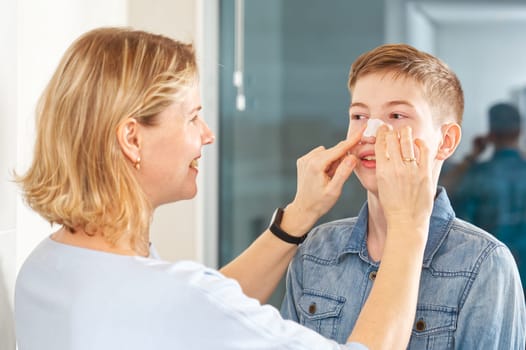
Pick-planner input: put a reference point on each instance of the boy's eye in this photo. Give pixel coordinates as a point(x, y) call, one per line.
point(397, 116)
point(194, 118)
point(358, 117)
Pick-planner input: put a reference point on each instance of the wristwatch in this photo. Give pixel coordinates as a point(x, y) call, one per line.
point(275, 228)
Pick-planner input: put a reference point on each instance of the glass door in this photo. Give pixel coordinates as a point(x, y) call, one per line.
point(296, 55)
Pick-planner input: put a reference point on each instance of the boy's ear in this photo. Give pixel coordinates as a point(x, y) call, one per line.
point(451, 134)
point(129, 139)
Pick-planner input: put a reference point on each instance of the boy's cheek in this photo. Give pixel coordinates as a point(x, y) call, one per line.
point(355, 126)
point(352, 130)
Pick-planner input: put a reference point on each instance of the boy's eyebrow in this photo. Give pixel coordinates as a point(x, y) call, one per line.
point(387, 104)
point(399, 102)
point(358, 104)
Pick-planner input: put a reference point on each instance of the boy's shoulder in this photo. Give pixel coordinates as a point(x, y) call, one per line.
point(465, 247)
point(328, 240)
point(463, 231)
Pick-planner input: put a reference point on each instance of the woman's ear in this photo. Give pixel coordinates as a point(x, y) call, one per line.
point(451, 134)
point(129, 139)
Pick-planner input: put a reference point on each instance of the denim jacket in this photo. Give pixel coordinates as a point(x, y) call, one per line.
point(470, 294)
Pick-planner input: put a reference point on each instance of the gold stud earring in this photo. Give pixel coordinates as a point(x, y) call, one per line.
point(137, 164)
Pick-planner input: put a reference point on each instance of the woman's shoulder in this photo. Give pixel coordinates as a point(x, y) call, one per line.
point(83, 268)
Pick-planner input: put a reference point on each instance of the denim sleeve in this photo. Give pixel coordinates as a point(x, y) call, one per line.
point(293, 289)
point(492, 315)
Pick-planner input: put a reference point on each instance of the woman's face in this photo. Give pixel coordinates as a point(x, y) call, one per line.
point(170, 150)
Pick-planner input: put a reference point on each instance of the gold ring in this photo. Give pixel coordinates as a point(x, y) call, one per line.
point(409, 159)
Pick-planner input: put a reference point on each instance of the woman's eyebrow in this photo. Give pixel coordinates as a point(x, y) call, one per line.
point(195, 109)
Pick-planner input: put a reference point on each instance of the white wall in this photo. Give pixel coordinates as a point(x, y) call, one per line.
point(420, 29)
point(489, 69)
point(7, 160)
point(33, 36)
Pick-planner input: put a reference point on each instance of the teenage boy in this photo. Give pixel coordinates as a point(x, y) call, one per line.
point(470, 293)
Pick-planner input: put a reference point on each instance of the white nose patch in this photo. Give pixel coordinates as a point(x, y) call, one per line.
point(372, 127)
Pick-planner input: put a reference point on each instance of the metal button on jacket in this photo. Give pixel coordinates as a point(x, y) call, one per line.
point(420, 325)
point(372, 275)
point(312, 308)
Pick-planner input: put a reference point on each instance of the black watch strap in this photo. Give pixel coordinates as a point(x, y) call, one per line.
point(277, 231)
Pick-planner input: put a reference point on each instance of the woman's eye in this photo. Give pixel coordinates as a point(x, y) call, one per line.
point(194, 118)
point(397, 116)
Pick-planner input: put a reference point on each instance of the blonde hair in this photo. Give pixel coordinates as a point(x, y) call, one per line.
point(440, 84)
point(79, 177)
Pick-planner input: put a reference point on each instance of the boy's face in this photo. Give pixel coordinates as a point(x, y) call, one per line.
point(396, 101)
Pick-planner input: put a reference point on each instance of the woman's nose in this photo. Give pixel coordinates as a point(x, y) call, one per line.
point(207, 136)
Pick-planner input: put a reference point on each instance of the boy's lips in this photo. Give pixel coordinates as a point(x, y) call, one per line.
point(367, 155)
point(367, 159)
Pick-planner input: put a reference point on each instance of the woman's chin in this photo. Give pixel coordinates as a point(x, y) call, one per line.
point(181, 196)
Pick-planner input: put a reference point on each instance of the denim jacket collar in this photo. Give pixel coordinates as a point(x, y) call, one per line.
point(441, 220)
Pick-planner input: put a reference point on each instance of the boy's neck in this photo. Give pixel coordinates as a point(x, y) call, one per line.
point(376, 228)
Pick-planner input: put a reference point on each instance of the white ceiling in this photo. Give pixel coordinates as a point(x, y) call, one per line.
point(471, 12)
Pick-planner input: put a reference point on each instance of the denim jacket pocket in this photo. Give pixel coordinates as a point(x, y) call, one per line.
point(321, 312)
point(434, 327)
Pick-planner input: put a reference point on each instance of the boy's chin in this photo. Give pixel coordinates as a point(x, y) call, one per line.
point(369, 183)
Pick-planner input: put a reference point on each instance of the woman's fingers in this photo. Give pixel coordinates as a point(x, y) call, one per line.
point(405, 185)
point(396, 146)
point(406, 145)
point(341, 174)
point(340, 150)
point(423, 160)
point(323, 172)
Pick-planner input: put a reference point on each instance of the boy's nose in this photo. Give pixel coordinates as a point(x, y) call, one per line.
point(368, 139)
point(369, 134)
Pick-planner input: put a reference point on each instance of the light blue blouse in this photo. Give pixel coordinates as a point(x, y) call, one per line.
point(70, 298)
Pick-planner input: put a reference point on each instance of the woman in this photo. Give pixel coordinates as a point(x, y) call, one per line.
point(119, 134)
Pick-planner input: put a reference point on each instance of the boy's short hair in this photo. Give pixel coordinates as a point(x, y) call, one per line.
point(441, 85)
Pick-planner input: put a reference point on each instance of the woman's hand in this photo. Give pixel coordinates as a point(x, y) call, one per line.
point(321, 176)
point(406, 191)
point(404, 177)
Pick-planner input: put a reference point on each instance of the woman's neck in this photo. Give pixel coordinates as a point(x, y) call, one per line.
point(96, 241)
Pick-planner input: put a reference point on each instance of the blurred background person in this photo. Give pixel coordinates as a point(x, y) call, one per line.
point(492, 193)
